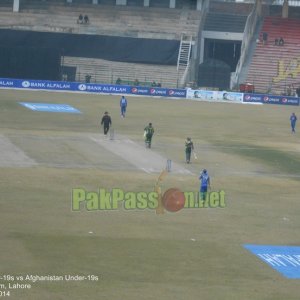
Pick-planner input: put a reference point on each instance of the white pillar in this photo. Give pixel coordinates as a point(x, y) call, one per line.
point(199, 4)
point(172, 3)
point(146, 2)
point(259, 7)
point(95, 1)
point(285, 9)
point(16, 6)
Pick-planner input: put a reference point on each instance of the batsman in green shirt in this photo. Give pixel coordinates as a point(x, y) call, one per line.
point(148, 133)
point(189, 146)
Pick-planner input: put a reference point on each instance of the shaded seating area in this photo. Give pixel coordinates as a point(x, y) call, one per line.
point(275, 64)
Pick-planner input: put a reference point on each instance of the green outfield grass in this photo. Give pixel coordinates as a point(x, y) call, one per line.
point(192, 254)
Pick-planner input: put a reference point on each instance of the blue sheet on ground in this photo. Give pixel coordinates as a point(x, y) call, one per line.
point(284, 259)
point(51, 107)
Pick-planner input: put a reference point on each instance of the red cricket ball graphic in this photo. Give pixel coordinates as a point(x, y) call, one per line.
point(173, 200)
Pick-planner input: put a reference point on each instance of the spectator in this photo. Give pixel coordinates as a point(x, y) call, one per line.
point(153, 84)
point(265, 37)
point(289, 90)
point(118, 81)
point(88, 78)
point(80, 19)
point(159, 84)
point(276, 42)
point(281, 41)
point(86, 19)
point(136, 82)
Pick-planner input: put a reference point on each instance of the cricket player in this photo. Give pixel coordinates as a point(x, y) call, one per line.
point(189, 146)
point(293, 120)
point(148, 133)
point(123, 105)
point(205, 183)
point(106, 122)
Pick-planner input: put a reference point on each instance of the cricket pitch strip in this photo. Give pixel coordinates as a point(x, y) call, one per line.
point(82, 151)
point(142, 158)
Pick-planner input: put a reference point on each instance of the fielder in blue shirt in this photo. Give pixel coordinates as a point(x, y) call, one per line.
point(205, 183)
point(293, 120)
point(123, 105)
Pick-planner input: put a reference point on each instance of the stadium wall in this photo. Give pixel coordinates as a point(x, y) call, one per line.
point(198, 95)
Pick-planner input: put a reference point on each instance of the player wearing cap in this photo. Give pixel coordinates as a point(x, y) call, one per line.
point(189, 146)
point(123, 106)
point(106, 122)
point(205, 183)
point(148, 133)
point(293, 120)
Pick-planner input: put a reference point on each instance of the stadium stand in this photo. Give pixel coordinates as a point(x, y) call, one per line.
point(274, 68)
point(109, 20)
point(6, 5)
point(270, 70)
point(104, 20)
point(109, 71)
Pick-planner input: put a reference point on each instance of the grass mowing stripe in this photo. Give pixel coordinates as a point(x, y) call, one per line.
point(279, 160)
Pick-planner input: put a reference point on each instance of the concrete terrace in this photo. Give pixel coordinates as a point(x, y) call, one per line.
point(103, 71)
point(146, 22)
